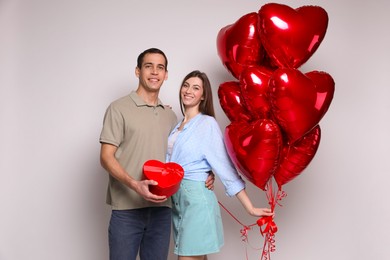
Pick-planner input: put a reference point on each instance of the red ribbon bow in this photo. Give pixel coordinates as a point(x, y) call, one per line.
point(270, 226)
point(269, 232)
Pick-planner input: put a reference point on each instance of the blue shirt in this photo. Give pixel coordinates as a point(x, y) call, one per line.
point(199, 148)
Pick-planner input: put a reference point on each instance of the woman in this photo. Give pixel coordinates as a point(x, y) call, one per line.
point(197, 145)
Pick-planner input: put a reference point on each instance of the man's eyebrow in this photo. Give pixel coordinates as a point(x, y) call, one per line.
point(151, 63)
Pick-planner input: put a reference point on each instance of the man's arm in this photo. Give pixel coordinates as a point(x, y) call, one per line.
point(112, 166)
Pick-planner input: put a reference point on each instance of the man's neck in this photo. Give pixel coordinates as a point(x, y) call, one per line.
point(150, 98)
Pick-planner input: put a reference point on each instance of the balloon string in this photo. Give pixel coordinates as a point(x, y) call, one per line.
point(239, 222)
point(269, 247)
point(243, 231)
point(267, 225)
point(270, 227)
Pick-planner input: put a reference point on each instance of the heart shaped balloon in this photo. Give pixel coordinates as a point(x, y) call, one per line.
point(254, 149)
point(254, 90)
point(299, 101)
point(296, 157)
point(167, 175)
point(291, 36)
point(239, 44)
point(229, 94)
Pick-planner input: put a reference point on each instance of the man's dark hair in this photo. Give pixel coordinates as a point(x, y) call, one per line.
point(140, 58)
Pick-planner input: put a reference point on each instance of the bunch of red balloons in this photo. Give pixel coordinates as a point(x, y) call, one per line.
point(274, 108)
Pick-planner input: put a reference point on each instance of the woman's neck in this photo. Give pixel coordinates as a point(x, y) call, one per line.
point(188, 115)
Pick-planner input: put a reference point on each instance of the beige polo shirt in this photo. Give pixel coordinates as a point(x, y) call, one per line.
point(140, 132)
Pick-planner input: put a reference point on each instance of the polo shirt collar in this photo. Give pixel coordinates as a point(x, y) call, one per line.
point(140, 102)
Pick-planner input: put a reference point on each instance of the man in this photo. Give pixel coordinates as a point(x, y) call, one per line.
point(135, 129)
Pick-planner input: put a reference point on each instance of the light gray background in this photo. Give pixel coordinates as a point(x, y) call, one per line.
point(63, 62)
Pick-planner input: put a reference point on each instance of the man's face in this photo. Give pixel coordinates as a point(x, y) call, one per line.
point(152, 72)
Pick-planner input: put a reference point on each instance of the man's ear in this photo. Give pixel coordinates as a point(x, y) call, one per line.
point(137, 72)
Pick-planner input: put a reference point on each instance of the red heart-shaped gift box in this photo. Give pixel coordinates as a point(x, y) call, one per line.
point(168, 176)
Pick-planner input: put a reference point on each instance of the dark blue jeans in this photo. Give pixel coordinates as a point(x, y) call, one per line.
point(146, 230)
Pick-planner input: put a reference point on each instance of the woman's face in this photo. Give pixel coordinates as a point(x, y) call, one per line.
point(192, 92)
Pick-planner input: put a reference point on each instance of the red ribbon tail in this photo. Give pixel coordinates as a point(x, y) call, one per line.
point(270, 225)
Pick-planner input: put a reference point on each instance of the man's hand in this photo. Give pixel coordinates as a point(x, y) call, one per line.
point(210, 181)
point(142, 188)
point(111, 164)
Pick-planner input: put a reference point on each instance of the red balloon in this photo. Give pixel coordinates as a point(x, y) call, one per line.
point(254, 149)
point(229, 94)
point(254, 90)
point(296, 157)
point(291, 36)
point(299, 101)
point(239, 44)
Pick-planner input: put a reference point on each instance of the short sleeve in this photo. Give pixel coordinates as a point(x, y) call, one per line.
point(113, 125)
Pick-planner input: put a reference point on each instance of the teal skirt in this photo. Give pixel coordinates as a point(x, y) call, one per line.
point(197, 222)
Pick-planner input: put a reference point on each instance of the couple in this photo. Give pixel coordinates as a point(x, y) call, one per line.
point(136, 129)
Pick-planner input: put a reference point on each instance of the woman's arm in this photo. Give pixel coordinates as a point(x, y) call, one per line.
point(242, 196)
